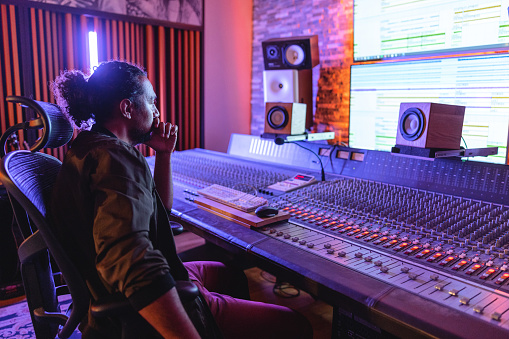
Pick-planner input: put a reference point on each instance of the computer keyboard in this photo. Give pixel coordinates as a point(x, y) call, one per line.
point(233, 198)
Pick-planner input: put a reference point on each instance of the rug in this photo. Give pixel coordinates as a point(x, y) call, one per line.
point(15, 322)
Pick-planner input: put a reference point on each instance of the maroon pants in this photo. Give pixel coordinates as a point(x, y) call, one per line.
point(226, 291)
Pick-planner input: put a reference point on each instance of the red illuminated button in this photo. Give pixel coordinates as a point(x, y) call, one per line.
point(502, 279)
point(412, 249)
point(332, 223)
point(435, 256)
point(401, 246)
point(324, 223)
point(286, 208)
point(381, 240)
point(372, 237)
point(353, 232)
point(487, 273)
point(390, 243)
point(363, 234)
point(460, 265)
point(447, 260)
point(423, 254)
point(472, 269)
point(345, 229)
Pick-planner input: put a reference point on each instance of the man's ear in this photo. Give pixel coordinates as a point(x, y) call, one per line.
point(125, 108)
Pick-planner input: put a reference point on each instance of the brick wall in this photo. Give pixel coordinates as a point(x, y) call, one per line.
point(332, 21)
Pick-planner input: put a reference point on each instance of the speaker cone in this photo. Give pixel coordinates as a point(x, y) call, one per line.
point(294, 55)
point(272, 52)
point(411, 124)
point(277, 117)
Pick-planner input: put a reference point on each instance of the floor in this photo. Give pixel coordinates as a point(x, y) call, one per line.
point(261, 287)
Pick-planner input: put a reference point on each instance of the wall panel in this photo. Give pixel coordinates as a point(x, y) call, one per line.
point(331, 20)
point(57, 41)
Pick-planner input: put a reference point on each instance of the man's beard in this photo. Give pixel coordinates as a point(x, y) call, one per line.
point(140, 137)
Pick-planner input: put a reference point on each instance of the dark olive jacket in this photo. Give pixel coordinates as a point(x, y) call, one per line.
point(107, 213)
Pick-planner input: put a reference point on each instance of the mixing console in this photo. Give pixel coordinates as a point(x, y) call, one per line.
point(447, 248)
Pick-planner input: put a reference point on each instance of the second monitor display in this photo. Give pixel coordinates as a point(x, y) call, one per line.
point(479, 83)
point(394, 28)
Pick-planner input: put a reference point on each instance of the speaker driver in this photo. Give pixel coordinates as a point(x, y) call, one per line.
point(272, 52)
point(277, 117)
point(411, 124)
point(279, 86)
point(294, 55)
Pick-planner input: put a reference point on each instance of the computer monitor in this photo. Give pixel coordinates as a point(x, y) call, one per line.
point(480, 83)
point(394, 28)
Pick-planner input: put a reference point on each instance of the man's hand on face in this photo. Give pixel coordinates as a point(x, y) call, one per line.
point(164, 136)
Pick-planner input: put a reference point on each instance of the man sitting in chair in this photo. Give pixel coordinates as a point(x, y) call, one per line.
point(109, 212)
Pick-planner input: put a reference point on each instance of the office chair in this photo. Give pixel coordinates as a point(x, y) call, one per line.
point(28, 177)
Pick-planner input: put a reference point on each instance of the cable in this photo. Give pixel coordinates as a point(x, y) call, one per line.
point(466, 147)
point(282, 289)
point(280, 141)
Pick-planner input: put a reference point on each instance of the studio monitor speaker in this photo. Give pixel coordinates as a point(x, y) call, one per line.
point(290, 85)
point(291, 53)
point(285, 118)
point(430, 125)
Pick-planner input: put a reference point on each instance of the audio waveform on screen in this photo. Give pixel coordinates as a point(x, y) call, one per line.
point(391, 28)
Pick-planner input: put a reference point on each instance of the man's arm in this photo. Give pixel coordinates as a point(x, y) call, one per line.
point(163, 178)
point(167, 315)
point(163, 141)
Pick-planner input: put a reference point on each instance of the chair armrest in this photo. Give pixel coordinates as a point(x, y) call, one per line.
point(176, 228)
point(49, 317)
point(113, 307)
point(186, 290)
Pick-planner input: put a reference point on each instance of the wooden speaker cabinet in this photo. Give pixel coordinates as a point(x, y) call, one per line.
point(430, 125)
point(290, 85)
point(285, 118)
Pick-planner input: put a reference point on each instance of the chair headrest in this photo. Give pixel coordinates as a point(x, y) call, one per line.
point(56, 128)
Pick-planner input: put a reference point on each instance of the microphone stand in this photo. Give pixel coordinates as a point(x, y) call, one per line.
point(280, 141)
